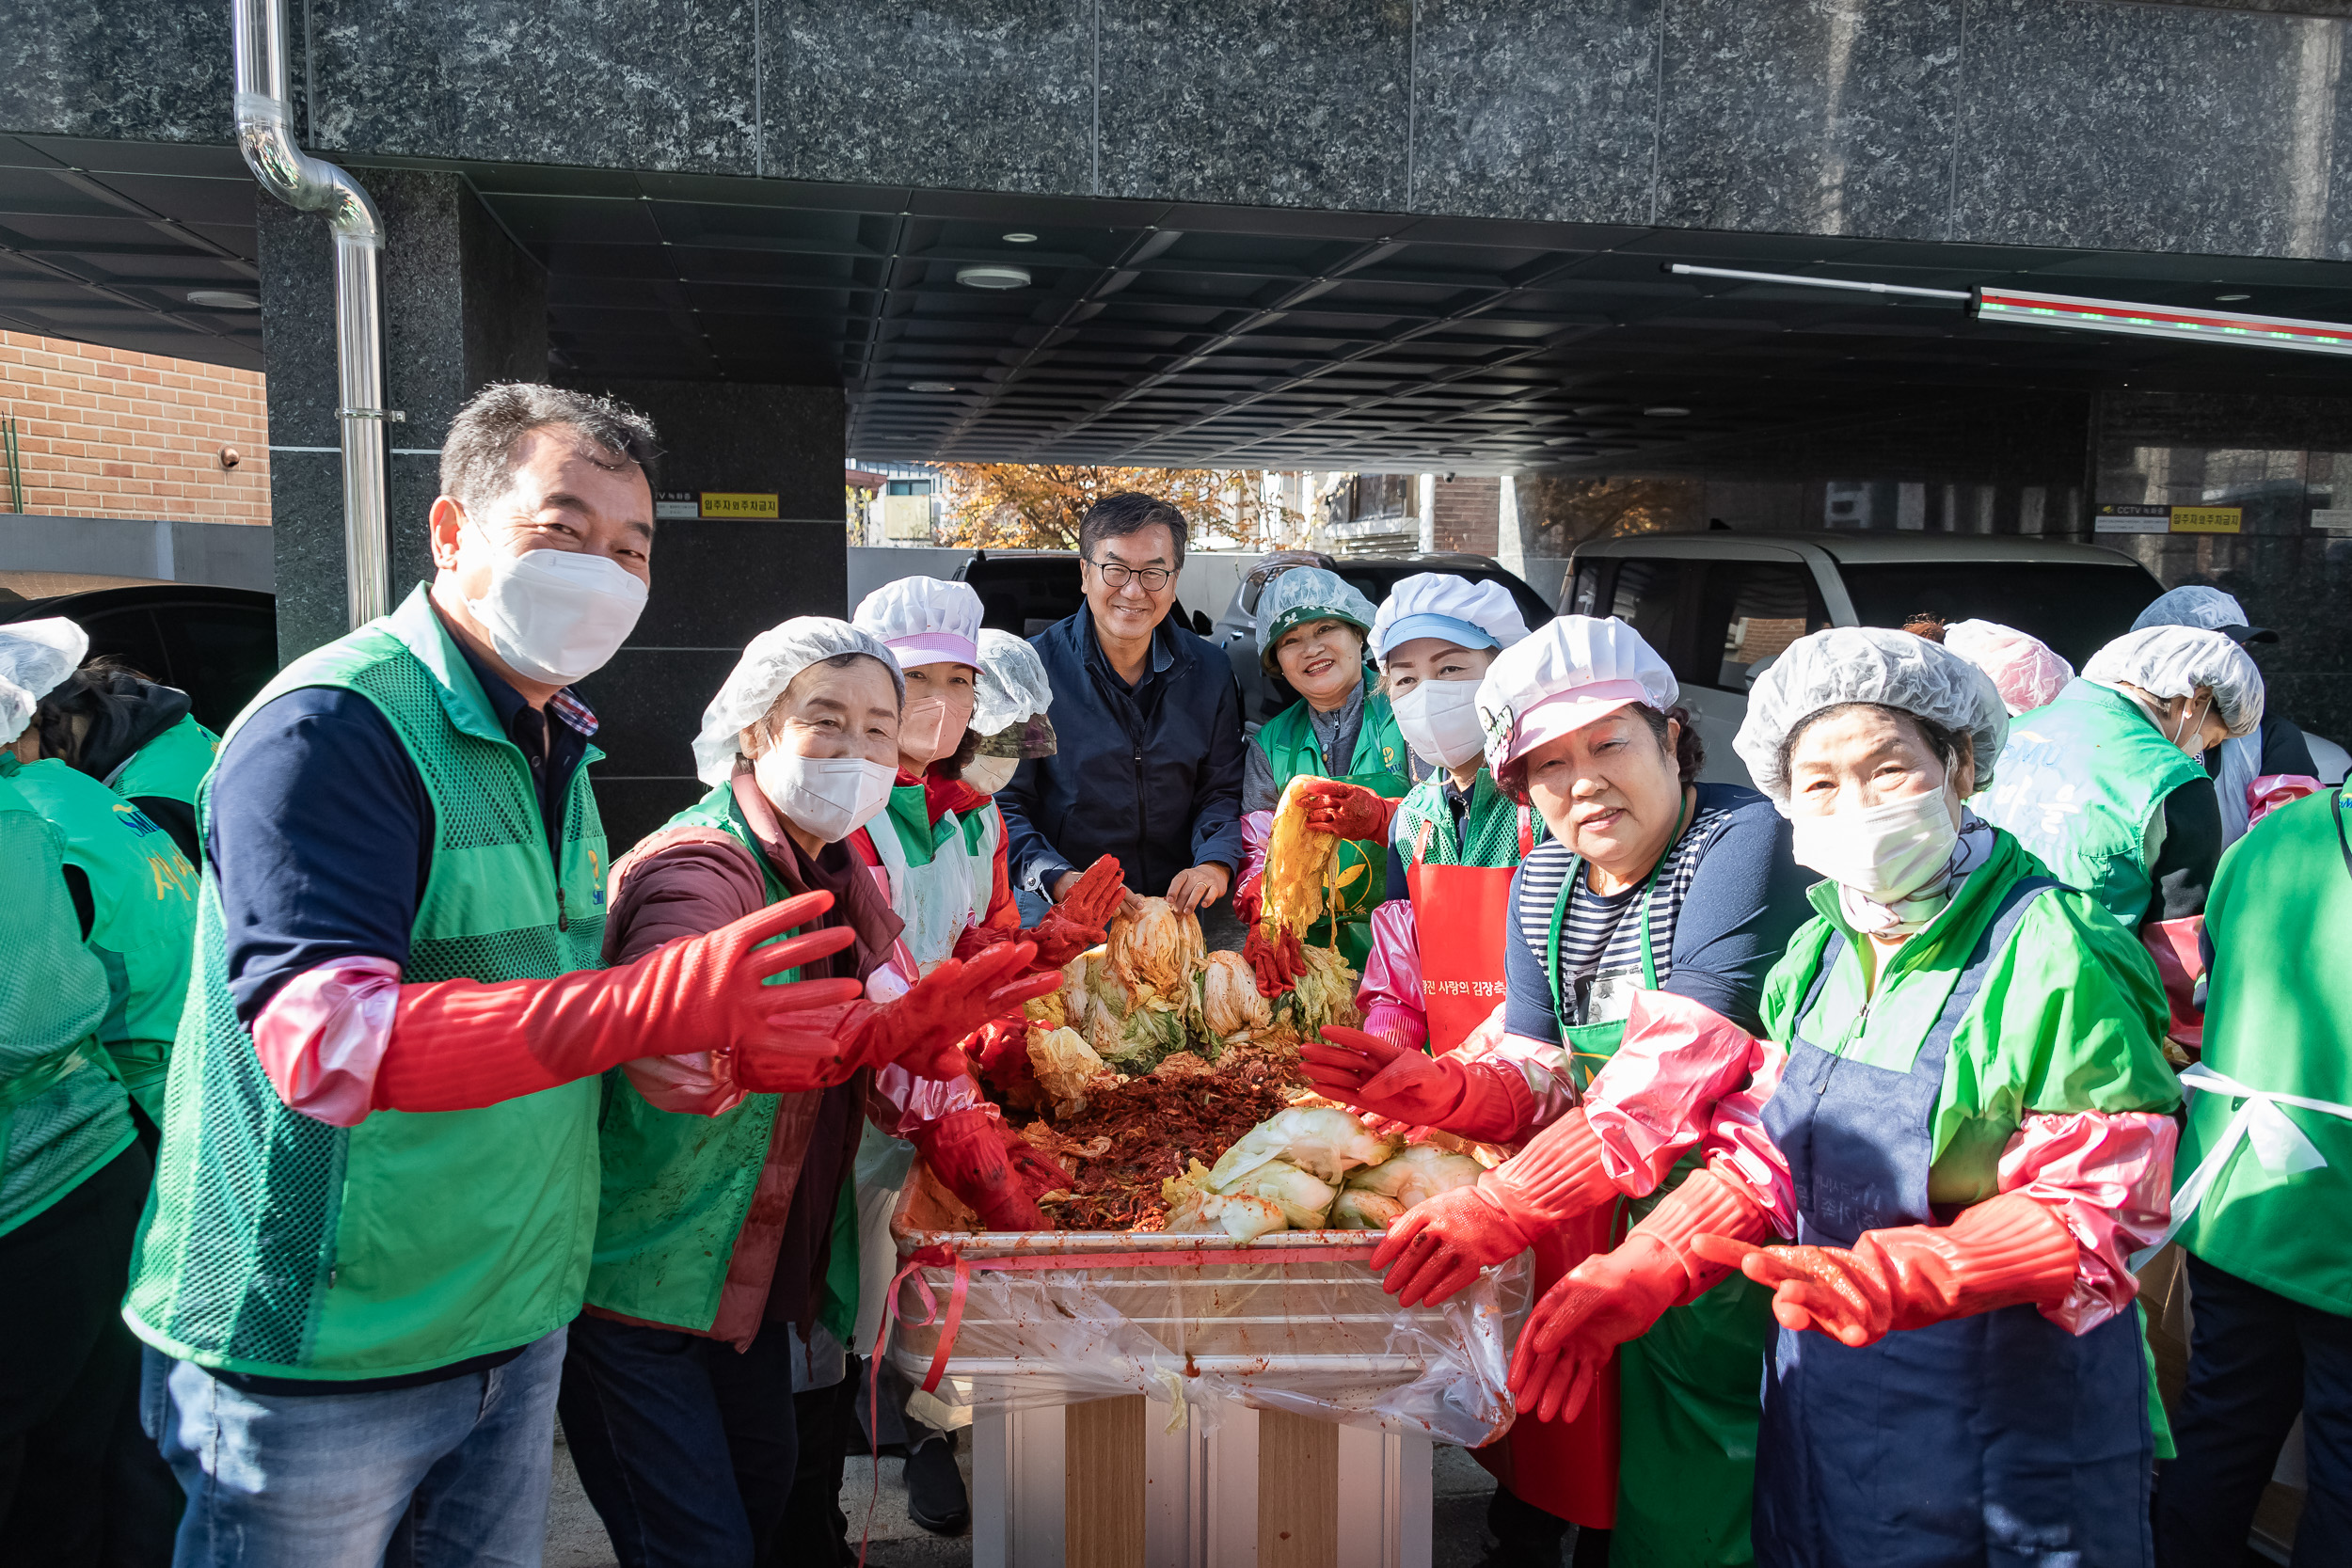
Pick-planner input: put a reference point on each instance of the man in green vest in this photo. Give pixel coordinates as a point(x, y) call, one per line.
point(72, 1180)
point(2105, 784)
point(132, 889)
point(2263, 1200)
point(377, 1189)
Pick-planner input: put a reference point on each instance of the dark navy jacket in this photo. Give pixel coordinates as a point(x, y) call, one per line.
point(1151, 773)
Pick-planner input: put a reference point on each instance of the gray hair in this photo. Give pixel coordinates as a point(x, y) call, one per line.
point(478, 454)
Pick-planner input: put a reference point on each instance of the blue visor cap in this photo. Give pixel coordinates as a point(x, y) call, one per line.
point(1461, 633)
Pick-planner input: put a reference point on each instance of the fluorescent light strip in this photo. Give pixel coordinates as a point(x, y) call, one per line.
point(1685, 270)
point(2228, 327)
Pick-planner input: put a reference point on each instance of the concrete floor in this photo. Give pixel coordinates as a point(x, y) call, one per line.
point(575, 1537)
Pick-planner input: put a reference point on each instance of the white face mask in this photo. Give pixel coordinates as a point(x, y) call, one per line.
point(2190, 736)
point(1439, 719)
point(990, 774)
point(557, 616)
point(1883, 853)
point(830, 797)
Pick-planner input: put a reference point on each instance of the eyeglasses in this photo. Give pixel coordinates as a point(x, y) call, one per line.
point(1153, 578)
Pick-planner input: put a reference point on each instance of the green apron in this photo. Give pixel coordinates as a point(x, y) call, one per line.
point(1686, 1389)
point(1359, 875)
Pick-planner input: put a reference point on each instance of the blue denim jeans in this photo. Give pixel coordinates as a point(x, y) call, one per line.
point(445, 1473)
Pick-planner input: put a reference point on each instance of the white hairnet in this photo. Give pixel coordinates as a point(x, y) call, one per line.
point(1441, 605)
point(40, 655)
point(1012, 685)
point(1307, 593)
point(769, 663)
point(2208, 608)
point(2027, 673)
point(2174, 661)
point(1867, 664)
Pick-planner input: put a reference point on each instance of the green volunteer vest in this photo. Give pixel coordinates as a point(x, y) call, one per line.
point(1359, 875)
point(2078, 784)
point(2277, 1015)
point(277, 1245)
point(171, 764)
point(143, 917)
point(62, 1113)
point(675, 1188)
point(1423, 828)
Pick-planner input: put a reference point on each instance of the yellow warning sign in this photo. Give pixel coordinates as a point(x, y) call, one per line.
point(2207, 519)
point(730, 503)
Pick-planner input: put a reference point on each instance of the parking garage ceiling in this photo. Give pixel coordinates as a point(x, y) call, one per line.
point(1153, 333)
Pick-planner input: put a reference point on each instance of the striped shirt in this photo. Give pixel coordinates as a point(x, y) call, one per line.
point(1722, 907)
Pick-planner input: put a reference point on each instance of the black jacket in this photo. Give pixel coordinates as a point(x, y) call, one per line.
point(1151, 773)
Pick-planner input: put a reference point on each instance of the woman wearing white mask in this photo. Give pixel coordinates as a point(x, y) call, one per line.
point(717, 1263)
point(1638, 939)
point(1429, 979)
point(1312, 627)
point(1966, 1133)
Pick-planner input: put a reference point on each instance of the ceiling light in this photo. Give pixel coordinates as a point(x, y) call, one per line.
point(931, 386)
point(2228, 299)
point(1019, 238)
point(221, 299)
point(1664, 411)
point(993, 276)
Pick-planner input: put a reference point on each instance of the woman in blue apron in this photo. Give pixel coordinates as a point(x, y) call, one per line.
point(1658, 898)
point(1967, 1137)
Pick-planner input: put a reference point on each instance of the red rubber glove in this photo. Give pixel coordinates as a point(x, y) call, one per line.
point(1345, 810)
point(1276, 960)
point(970, 1159)
point(1039, 1172)
point(458, 1045)
point(1481, 1099)
point(999, 1053)
point(1248, 898)
point(1438, 1246)
point(1080, 920)
point(922, 1031)
point(2003, 1252)
point(1615, 1296)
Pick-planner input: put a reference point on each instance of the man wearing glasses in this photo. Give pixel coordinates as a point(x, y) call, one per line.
point(1149, 722)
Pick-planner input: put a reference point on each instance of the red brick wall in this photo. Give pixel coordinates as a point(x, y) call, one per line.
point(106, 433)
point(1469, 514)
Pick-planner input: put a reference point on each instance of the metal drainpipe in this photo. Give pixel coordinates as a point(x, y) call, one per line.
point(265, 134)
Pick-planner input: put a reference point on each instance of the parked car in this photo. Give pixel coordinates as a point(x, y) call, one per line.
point(217, 644)
point(1023, 592)
point(1720, 606)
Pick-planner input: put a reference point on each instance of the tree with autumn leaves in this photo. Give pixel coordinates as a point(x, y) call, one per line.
point(1038, 506)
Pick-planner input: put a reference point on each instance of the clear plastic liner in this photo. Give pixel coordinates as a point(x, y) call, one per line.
point(1295, 1321)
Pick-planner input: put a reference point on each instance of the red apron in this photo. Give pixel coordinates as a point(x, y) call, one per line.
point(1461, 917)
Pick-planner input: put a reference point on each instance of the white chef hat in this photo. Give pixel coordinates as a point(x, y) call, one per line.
point(923, 620)
point(2025, 668)
point(40, 655)
point(1441, 605)
point(1867, 664)
point(769, 663)
point(1564, 676)
point(2174, 661)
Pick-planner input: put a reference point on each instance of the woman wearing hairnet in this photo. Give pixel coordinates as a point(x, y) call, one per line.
point(718, 1258)
point(1638, 939)
point(2250, 772)
point(2106, 785)
point(1968, 1136)
point(1311, 630)
point(1434, 975)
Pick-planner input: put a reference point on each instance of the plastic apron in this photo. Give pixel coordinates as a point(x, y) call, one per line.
point(1569, 1468)
point(1360, 871)
point(1996, 1438)
point(1461, 920)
